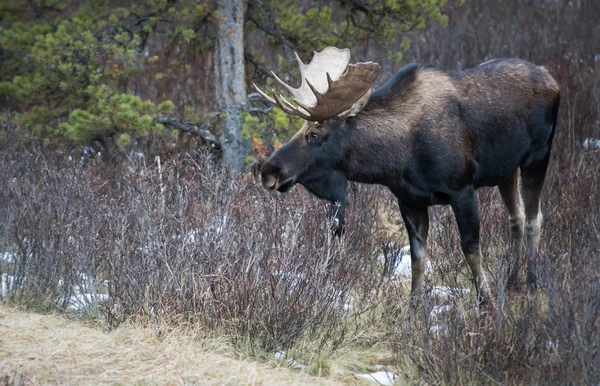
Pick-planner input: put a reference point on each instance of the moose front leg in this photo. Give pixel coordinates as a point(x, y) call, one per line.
point(417, 227)
point(466, 209)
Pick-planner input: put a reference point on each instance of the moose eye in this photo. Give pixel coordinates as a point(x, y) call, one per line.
point(312, 136)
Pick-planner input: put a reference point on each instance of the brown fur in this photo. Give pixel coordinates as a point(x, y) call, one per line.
point(433, 137)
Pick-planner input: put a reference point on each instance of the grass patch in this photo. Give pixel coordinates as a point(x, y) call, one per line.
point(47, 349)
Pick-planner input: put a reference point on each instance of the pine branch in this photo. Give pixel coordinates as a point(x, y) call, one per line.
point(199, 130)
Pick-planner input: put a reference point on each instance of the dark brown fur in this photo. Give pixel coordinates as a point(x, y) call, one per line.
point(433, 137)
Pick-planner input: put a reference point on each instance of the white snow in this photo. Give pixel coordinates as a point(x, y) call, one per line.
point(190, 237)
point(402, 268)
point(591, 143)
point(7, 257)
point(386, 378)
point(437, 311)
point(282, 356)
point(82, 301)
point(349, 303)
point(448, 292)
point(293, 279)
point(7, 282)
point(438, 329)
point(438, 316)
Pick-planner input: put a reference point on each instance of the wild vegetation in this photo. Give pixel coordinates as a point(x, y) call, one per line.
point(179, 240)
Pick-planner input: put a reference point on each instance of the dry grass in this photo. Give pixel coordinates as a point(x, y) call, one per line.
point(43, 349)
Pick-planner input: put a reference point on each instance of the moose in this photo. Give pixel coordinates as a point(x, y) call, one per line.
point(433, 137)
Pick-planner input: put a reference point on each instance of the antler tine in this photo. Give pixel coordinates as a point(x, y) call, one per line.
point(301, 64)
point(282, 103)
point(290, 108)
point(264, 95)
point(320, 97)
point(285, 107)
point(287, 86)
point(286, 103)
point(329, 81)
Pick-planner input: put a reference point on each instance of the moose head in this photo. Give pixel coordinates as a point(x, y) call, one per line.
point(331, 92)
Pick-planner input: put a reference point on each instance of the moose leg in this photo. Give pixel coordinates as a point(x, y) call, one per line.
point(417, 226)
point(466, 210)
point(509, 191)
point(532, 179)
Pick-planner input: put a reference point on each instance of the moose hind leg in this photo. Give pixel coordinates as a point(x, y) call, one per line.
point(466, 210)
point(417, 227)
point(509, 191)
point(532, 181)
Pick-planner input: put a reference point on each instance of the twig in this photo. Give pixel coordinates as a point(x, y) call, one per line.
point(256, 110)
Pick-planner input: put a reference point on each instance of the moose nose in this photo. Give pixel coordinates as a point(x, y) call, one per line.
point(269, 175)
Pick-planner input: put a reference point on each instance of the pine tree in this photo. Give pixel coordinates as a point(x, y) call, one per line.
point(68, 70)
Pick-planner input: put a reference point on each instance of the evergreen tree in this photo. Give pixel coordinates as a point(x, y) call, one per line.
point(67, 70)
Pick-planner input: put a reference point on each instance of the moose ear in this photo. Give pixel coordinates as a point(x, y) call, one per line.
point(357, 106)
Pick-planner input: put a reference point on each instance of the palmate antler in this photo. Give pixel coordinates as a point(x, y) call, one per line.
point(329, 85)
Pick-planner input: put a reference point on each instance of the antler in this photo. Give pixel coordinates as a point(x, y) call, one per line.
point(329, 86)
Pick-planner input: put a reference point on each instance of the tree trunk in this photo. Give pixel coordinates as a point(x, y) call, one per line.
point(231, 80)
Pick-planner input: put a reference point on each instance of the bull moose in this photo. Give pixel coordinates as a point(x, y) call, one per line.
point(432, 136)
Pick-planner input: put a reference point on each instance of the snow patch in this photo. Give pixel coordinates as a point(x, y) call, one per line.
point(281, 356)
point(292, 279)
point(349, 303)
point(402, 262)
point(7, 257)
point(81, 302)
point(448, 292)
point(83, 298)
point(7, 283)
point(591, 143)
point(437, 311)
point(189, 238)
point(386, 378)
point(438, 329)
